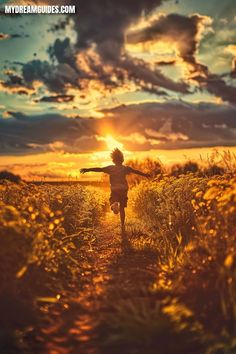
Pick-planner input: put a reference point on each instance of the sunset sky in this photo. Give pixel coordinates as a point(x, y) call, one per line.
point(155, 78)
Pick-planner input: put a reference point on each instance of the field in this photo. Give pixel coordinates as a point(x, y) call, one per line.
point(67, 284)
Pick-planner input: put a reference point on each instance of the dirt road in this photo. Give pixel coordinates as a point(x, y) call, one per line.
point(80, 322)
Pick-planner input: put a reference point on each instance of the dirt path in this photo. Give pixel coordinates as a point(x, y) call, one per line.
point(113, 275)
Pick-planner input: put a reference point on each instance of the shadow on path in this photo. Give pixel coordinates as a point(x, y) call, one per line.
point(115, 275)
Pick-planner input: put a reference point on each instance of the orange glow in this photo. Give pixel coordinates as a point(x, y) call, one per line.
point(61, 166)
point(113, 143)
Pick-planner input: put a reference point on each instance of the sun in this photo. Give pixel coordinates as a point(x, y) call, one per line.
point(112, 143)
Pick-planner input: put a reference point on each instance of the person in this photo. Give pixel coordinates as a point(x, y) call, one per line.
point(118, 183)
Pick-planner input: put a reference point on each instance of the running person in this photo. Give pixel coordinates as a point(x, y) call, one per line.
point(118, 183)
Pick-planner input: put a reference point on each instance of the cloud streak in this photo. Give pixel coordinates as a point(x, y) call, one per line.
point(144, 126)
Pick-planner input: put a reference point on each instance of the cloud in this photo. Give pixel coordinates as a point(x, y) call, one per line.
point(166, 133)
point(231, 49)
point(217, 86)
point(185, 33)
point(96, 62)
point(109, 44)
point(57, 98)
point(180, 31)
point(170, 125)
point(15, 84)
point(63, 52)
point(176, 125)
point(112, 22)
point(165, 62)
point(56, 77)
point(98, 58)
point(4, 36)
point(151, 79)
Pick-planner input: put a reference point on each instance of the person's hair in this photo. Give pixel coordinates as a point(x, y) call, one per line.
point(117, 157)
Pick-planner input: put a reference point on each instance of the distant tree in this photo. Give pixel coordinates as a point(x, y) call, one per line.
point(214, 170)
point(6, 175)
point(148, 165)
point(188, 167)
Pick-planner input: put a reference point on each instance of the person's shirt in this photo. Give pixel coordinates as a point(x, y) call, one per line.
point(118, 175)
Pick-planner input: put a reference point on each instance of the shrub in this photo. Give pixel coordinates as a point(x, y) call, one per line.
point(188, 167)
point(6, 175)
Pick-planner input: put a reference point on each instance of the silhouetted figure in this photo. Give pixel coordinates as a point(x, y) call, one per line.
point(118, 183)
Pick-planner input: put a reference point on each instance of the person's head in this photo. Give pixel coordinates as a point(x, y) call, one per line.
point(117, 157)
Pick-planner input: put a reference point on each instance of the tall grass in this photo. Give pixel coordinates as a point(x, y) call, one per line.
point(192, 223)
point(46, 233)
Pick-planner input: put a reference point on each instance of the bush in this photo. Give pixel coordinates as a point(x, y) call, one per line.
point(6, 175)
point(188, 167)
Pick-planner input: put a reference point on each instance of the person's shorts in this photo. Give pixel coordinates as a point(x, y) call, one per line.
point(120, 196)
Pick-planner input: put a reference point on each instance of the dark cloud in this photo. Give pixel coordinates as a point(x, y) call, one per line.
point(17, 35)
point(14, 35)
point(55, 77)
point(177, 125)
point(15, 84)
point(113, 20)
point(184, 31)
point(99, 53)
point(181, 30)
point(21, 134)
point(63, 52)
point(17, 115)
point(14, 79)
point(217, 86)
point(151, 79)
point(107, 22)
point(144, 126)
point(166, 62)
point(60, 25)
point(57, 98)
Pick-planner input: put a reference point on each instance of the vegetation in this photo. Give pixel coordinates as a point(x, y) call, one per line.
point(7, 175)
point(45, 235)
point(191, 224)
point(181, 228)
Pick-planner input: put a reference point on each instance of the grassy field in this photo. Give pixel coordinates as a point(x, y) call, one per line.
point(173, 291)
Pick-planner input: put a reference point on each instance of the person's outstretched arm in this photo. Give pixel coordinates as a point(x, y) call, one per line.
point(137, 172)
point(94, 169)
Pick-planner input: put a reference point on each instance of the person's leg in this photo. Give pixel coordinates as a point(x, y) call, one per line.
point(114, 203)
point(124, 240)
point(123, 205)
point(122, 218)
